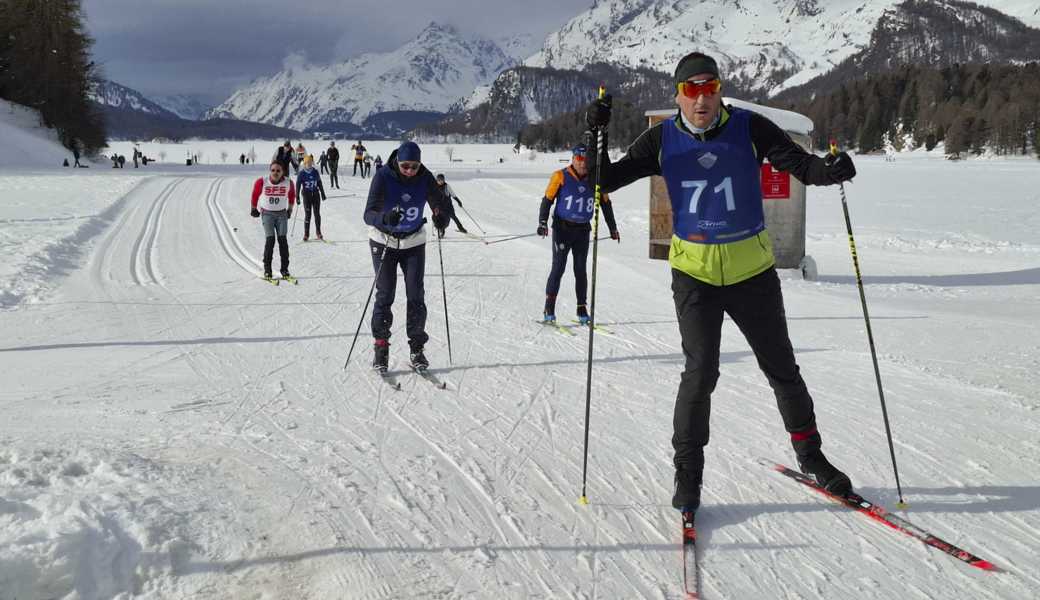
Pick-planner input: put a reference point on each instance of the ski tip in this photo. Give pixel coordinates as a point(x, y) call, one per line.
point(985, 565)
point(584, 501)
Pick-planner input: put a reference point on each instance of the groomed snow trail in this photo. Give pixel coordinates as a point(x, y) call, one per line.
point(191, 427)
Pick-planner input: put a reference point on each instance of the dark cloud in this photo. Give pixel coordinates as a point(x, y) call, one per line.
point(209, 48)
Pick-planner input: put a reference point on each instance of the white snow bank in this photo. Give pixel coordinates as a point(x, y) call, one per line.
point(26, 142)
point(46, 224)
point(80, 525)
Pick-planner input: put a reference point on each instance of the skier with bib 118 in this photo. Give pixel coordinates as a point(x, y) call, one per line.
point(273, 200)
point(572, 195)
point(710, 157)
point(397, 198)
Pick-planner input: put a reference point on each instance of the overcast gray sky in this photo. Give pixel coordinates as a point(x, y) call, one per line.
point(211, 47)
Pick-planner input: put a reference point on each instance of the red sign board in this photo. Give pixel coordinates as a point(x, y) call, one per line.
point(776, 185)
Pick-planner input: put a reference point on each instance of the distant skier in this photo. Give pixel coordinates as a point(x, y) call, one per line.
point(359, 157)
point(299, 153)
point(242, 159)
point(570, 197)
point(710, 157)
point(378, 162)
point(75, 154)
point(333, 155)
point(273, 200)
point(323, 161)
point(312, 192)
point(368, 164)
point(397, 197)
point(285, 157)
point(450, 194)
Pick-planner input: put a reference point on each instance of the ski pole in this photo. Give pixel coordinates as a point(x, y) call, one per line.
point(870, 334)
point(472, 219)
point(293, 228)
point(444, 294)
point(509, 239)
point(601, 141)
point(379, 270)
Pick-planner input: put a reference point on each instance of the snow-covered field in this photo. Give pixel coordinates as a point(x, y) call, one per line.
point(173, 427)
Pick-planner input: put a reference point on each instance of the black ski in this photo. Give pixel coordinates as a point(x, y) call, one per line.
point(425, 374)
point(388, 379)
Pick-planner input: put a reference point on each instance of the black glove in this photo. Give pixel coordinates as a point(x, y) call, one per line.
point(597, 114)
point(458, 201)
point(615, 235)
point(288, 214)
point(392, 218)
point(254, 213)
point(440, 221)
point(543, 229)
point(840, 167)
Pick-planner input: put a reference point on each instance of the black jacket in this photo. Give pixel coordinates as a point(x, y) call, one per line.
point(435, 198)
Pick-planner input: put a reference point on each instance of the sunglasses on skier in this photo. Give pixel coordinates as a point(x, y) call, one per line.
point(408, 166)
point(700, 87)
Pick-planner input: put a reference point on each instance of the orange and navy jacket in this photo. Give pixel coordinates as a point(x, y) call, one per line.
point(556, 182)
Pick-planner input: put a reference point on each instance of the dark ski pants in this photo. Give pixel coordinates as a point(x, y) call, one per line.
point(458, 223)
point(359, 163)
point(324, 167)
point(568, 238)
point(334, 175)
point(756, 306)
point(412, 263)
point(311, 203)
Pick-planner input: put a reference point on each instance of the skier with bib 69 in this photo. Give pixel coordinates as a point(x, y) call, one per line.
point(273, 200)
point(572, 195)
point(397, 198)
point(710, 157)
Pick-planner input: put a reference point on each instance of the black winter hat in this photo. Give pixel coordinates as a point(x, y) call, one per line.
point(695, 63)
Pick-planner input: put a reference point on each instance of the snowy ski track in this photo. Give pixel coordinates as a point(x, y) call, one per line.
point(191, 426)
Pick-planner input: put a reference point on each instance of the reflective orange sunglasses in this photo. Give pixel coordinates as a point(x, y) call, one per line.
point(703, 87)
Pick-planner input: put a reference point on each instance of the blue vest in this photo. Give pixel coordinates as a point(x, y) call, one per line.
point(575, 199)
point(308, 180)
point(715, 186)
point(411, 197)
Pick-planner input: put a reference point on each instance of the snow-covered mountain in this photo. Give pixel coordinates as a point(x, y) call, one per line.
point(765, 45)
point(111, 94)
point(185, 106)
point(429, 73)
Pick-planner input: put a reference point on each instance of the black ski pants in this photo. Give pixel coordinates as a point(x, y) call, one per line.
point(756, 306)
point(412, 263)
point(311, 203)
point(569, 238)
point(334, 174)
point(359, 163)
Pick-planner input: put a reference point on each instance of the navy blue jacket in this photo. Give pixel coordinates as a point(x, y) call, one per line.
point(435, 198)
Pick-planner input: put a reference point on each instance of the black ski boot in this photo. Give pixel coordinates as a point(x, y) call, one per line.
point(381, 360)
point(418, 359)
point(825, 474)
point(687, 496)
point(549, 312)
point(812, 462)
point(583, 315)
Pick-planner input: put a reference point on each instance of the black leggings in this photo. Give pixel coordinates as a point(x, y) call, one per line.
point(569, 238)
point(311, 202)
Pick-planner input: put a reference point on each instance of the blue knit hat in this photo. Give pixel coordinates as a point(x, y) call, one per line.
point(580, 149)
point(409, 151)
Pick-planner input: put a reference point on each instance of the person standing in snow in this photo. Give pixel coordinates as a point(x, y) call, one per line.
point(710, 157)
point(450, 194)
point(359, 157)
point(379, 162)
point(397, 198)
point(285, 157)
point(323, 161)
point(333, 155)
point(570, 198)
point(75, 154)
point(273, 200)
point(312, 192)
point(368, 164)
